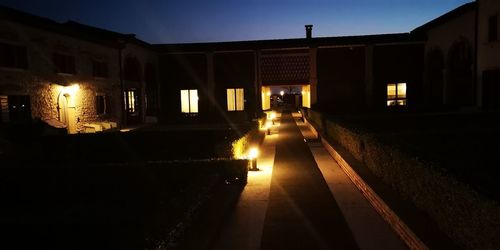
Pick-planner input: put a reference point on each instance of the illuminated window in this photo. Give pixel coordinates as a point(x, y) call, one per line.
point(131, 101)
point(396, 94)
point(235, 100)
point(189, 101)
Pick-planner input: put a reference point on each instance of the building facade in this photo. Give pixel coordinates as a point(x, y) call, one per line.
point(73, 76)
point(86, 79)
point(488, 54)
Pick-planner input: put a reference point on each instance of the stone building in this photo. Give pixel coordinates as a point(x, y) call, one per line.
point(449, 77)
point(71, 75)
point(341, 74)
point(488, 54)
point(88, 79)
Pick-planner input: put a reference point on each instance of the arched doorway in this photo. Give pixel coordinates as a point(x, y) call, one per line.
point(66, 107)
point(133, 91)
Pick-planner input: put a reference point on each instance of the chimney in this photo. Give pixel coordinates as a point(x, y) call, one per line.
point(309, 29)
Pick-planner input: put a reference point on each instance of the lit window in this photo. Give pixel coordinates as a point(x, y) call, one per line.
point(131, 101)
point(235, 100)
point(396, 94)
point(189, 101)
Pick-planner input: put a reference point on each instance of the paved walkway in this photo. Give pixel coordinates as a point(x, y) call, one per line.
point(308, 203)
point(302, 213)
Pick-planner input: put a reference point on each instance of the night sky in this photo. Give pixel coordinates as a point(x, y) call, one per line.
point(166, 21)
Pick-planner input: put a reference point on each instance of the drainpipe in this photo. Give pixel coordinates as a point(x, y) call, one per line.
point(122, 86)
point(476, 64)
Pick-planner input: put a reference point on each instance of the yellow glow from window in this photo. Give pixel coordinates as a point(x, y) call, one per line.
point(231, 105)
point(193, 100)
point(235, 99)
point(396, 94)
point(401, 90)
point(185, 101)
point(391, 91)
point(268, 93)
point(240, 99)
point(189, 101)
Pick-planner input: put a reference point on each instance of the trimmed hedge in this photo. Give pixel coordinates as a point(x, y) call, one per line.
point(240, 147)
point(466, 216)
point(136, 205)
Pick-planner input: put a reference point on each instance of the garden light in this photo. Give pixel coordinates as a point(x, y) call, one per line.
point(273, 116)
point(252, 155)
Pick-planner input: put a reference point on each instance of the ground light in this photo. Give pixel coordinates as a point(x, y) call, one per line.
point(273, 116)
point(252, 156)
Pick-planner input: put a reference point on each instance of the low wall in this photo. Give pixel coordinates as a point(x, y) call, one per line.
point(464, 215)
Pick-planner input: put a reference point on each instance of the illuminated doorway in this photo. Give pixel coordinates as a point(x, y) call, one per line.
point(286, 96)
point(66, 108)
point(132, 107)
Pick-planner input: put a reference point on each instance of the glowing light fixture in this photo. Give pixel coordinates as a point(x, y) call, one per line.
point(282, 93)
point(252, 155)
point(71, 90)
point(272, 117)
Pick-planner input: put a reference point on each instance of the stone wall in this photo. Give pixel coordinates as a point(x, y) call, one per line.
point(41, 82)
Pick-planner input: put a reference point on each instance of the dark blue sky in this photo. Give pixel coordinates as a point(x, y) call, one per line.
point(166, 21)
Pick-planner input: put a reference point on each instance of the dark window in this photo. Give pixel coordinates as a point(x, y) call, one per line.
point(132, 69)
point(99, 69)
point(102, 104)
point(493, 28)
point(64, 63)
point(19, 108)
point(13, 56)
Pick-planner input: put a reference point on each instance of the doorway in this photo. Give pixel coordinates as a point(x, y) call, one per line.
point(132, 107)
point(67, 112)
point(286, 96)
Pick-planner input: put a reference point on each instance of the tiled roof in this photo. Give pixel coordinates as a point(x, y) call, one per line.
point(285, 68)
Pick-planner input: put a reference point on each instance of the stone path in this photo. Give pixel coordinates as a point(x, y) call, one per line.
point(302, 200)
